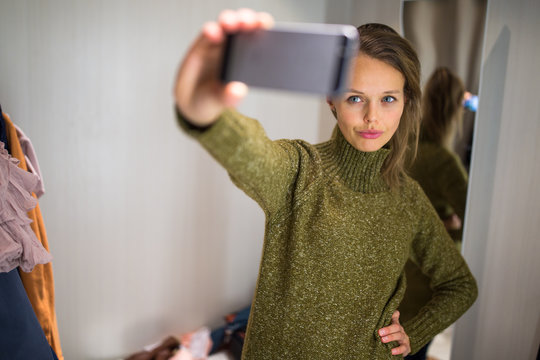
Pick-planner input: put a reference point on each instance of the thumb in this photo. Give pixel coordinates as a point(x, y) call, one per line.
point(395, 317)
point(234, 92)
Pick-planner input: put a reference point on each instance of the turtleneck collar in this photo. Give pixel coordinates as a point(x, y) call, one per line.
point(360, 171)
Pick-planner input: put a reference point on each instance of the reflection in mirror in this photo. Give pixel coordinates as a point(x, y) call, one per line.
point(449, 33)
point(448, 38)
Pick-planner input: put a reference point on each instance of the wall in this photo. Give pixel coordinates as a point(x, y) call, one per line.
point(502, 223)
point(148, 234)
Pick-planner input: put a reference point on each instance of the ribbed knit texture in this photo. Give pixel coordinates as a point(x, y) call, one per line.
point(336, 241)
point(359, 170)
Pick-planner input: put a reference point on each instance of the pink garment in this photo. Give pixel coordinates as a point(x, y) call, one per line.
point(31, 160)
point(18, 243)
point(195, 345)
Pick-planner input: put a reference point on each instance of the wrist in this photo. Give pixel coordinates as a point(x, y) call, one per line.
point(191, 125)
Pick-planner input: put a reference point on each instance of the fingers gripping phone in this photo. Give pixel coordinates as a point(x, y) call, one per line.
point(311, 58)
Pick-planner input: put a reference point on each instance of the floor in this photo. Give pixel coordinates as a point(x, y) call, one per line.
point(220, 356)
point(441, 346)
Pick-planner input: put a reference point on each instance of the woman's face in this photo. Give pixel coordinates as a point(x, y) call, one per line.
point(368, 113)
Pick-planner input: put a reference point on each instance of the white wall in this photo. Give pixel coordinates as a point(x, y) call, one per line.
point(136, 255)
point(502, 233)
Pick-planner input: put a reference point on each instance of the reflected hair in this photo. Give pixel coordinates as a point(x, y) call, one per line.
point(442, 107)
point(383, 43)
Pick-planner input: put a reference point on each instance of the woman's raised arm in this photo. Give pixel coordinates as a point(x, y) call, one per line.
point(199, 94)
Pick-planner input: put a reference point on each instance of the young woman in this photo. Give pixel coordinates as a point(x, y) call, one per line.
point(341, 217)
point(440, 173)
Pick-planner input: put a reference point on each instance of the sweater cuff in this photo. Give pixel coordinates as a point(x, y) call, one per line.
point(187, 125)
point(222, 138)
point(420, 332)
point(218, 133)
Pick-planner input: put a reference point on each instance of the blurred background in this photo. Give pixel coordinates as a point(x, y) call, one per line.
point(148, 234)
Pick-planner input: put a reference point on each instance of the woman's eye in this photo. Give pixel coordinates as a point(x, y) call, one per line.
point(354, 99)
point(388, 99)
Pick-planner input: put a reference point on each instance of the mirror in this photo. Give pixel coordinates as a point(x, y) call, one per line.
point(448, 38)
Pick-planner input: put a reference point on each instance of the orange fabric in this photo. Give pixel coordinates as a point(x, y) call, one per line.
point(39, 283)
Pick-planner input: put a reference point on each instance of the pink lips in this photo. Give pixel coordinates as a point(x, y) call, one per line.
point(370, 134)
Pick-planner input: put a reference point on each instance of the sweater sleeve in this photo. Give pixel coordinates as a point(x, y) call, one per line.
point(454, 184)
point(454, 287)
point(264, 169)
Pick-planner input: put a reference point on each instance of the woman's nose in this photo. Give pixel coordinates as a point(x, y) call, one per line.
point(371, 113)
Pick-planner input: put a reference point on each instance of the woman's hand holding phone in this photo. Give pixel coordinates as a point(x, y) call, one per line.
point(199, 93)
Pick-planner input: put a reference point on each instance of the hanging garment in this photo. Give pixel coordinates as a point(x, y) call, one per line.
point(39, 284)
point(21, 336)
point(19, 246)
point(31, 160)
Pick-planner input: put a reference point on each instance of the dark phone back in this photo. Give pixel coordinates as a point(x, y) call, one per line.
point(312, 58)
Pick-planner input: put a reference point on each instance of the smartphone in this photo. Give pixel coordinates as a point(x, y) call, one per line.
point(300, 57)
point(471, 102)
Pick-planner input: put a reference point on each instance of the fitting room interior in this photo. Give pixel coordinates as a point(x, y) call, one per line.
point(137, 257)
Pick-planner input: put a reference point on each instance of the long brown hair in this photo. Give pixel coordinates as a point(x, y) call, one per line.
point(442, 106)
point(383, 43)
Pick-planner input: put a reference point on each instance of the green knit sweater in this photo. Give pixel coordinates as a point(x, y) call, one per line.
point(336, 241)
point(443, 178)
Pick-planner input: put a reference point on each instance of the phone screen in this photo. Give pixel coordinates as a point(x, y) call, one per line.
point(312, 59)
